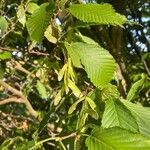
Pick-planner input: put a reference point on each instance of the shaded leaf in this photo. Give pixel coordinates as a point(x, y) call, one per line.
point(3, 25)
point(136, 88)
point(27, 145)
point(92, 113)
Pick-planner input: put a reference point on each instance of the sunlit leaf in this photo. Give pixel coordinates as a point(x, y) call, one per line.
point(97, 13)
point(116, 139)
point(5, 55)
point(31, 7)
point(90, 102)
point(39, 21)
point(61, 72)
point(116, 114)
point(73, 107)
point(142, 116)
point(59, 95)
point(97, 61)
point(74, 88)
point(75, 57)
point(49, 35)
point(21, 15)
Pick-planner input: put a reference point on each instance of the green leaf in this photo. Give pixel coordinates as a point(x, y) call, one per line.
point(116, 114)
point(6, 144)
point(26, 146)
point(97, 61)
point(109, 91)
point(49, 35)
point(31, 7)
point(3, 25)
point(45, 120)
point(75, 57)
point(116, 139)
point(74, 89)
point(92, 113)
point(97, 13)
point(61, 72)
point(38, 22)
point(41, 89)
point(59, 95)
point(73, 107)
point(86, 39)
point(9, 142)
point(136, 88)
point(142, 116)
point(5, 55)
point(21, 15)
point(2, 71)
point(90, 102)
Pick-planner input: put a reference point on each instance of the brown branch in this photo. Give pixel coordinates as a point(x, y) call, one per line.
point(11, 89)
point(38, 53)
point(11, 100)
point(22, 97)
point(69, 136)
point(7, 49)
point(19, 67)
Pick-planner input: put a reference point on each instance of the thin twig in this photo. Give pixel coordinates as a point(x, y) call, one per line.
point(146, 67)
point(19, 67)
point(11, 89)
point(8, 49)
point(55, 139)
point(38, 53)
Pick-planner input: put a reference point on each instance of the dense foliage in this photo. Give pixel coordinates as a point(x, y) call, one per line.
point(74, 74)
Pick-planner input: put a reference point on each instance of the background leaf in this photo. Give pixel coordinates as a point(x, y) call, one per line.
point(39, 20)
point(41, 89)
point(5, 55)
point(3, 25)
point(136, 88)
